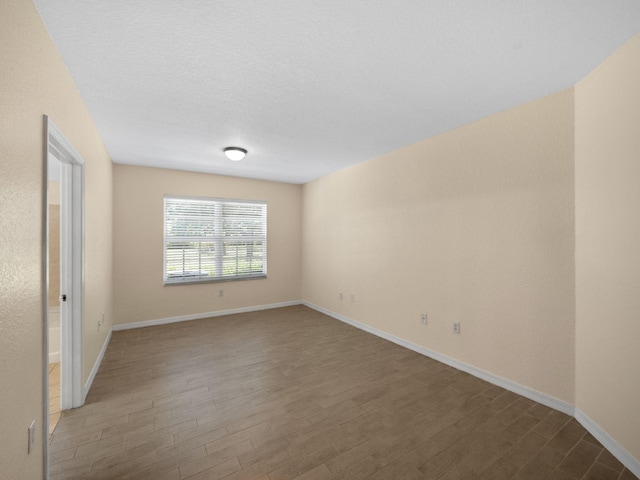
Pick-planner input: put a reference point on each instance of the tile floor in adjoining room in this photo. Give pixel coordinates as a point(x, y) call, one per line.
point(293, 394)
point(54, 396)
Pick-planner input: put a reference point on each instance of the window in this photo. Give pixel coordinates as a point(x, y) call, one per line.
point(210, 239)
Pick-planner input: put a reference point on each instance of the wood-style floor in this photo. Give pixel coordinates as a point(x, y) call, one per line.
point(291, 393)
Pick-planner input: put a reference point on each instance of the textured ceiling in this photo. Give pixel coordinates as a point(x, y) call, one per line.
point(310, 87)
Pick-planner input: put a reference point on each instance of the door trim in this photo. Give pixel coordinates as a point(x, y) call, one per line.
point(72, 264)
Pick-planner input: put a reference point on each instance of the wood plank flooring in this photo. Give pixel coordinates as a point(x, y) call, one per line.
point(293, 394)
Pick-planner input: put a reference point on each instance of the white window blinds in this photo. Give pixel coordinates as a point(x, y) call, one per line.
point(208, 239)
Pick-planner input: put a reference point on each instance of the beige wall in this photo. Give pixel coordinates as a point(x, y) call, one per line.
point(33, 82)
point(608, 246)
point(474, 226)
point(138, 247)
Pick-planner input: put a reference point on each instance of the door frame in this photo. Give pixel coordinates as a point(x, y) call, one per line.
point(71, 269)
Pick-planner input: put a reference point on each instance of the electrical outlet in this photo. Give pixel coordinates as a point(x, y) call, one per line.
point(341, 296)
point(31, 437)
point(353, 298)
point(101, 321)
point(423, 319)
point(456, 327)
point(221, 293)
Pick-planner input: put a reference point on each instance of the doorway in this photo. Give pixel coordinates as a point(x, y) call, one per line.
point(53, 297)
point(63, 294)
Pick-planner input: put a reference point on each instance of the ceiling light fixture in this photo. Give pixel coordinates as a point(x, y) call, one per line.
point(235, 153)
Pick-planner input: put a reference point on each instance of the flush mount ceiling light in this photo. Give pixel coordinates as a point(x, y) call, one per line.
point(235, 153)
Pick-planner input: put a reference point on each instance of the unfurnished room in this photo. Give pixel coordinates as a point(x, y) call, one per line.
point(319, 240)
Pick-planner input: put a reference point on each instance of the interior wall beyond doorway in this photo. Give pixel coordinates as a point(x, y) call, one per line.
point(54, 244)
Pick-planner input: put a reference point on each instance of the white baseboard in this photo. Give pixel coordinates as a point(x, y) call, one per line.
point(198, 316)
point(618, 451)
point(163, 321)
point(96, 367)
point(628, 460)
point(527, 392)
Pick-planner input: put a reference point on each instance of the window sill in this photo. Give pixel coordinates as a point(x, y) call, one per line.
point(211, 280)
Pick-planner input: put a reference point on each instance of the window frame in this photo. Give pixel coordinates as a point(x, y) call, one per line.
point(218, 238)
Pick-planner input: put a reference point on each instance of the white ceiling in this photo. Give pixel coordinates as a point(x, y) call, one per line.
point(309, 87)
